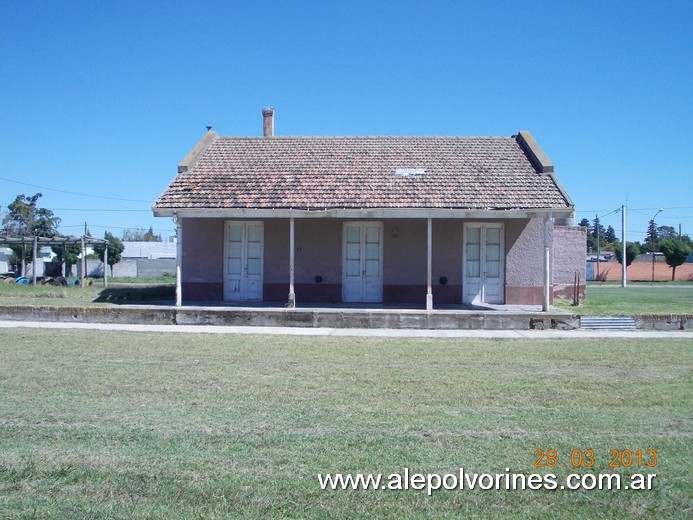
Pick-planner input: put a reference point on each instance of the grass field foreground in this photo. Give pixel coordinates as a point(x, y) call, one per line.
point(140, 425)
point(633, 300)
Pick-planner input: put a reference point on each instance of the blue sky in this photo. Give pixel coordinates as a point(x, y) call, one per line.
point(104, 99)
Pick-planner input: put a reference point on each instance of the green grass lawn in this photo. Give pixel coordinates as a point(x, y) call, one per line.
point(139, 425)
point(660, 299)
point(633, 300)
point(658, 283)
point(118, 291)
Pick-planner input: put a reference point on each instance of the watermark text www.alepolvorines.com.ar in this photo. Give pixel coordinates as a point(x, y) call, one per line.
point(463, 480)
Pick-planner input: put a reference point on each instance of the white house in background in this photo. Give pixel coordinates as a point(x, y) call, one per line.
point(4, 260)
point(150, 250)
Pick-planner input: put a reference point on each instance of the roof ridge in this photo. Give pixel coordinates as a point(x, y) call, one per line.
point(327, 137)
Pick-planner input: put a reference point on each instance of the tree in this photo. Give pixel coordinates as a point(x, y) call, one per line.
point(598, 229)
point(595, 235)
point(642, 248)
point(610, 235)
point(150, 236)
point(632, 250)
point(651, 238)
point(675, 251)
point(71, 254)
point(140, 235)
point(591, 245)
point(666, 232)
point(115, 249)
point(25, 219)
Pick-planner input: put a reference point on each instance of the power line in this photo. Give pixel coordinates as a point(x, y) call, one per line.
point(655, 209)
point(605, 214)
point(110, 227)
point(74, 192)
point(635, 209)
point(98, 209)
point(610, 213)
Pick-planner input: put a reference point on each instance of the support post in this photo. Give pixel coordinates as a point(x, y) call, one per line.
point(429, 270)
point(292, 248)
point(179, 261)
point(653, 259)
point(64, 260)
point(547, 265)
point(624, 271)
point(105, 266)
point(33, 263)
point(84, 263)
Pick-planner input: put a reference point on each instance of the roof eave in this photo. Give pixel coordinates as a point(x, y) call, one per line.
point(230, 213)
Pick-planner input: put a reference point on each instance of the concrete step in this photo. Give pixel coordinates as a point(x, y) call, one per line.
point(607, 322)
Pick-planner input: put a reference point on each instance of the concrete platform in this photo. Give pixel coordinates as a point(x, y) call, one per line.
point(365, 333)
point(334, 317)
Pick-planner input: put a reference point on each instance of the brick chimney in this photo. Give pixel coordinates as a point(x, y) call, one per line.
point(268, 121)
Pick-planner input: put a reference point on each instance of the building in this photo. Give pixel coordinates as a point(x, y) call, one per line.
point(392, 220)
point(149, 250)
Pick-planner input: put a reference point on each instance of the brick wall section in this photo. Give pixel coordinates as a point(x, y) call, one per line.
point(569, 246)
point(642, 271)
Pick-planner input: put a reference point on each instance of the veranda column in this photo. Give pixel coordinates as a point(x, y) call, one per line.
point(429, 270)
point(179, 261)
point(292, 294)
point(547, 264)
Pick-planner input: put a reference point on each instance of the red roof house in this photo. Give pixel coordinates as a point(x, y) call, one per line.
point(393, 220)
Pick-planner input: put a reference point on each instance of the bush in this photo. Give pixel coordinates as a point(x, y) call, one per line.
point(632, 250)
point(675, 251)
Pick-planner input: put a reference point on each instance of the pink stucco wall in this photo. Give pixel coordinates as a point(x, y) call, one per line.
point(569, 246)
point(202, 263)
point(318, 253)
point(524, 261)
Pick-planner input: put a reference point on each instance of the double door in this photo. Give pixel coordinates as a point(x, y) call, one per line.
point(362, 262)
point(243, 260)
point(483, 276)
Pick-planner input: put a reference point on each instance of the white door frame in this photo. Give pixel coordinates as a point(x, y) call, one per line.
point(242, 285)
point(369, 288)
point(481, 295)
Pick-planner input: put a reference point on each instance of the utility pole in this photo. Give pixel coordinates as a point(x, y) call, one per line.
point(654, 235)
point(624, 271)
point(596, 219)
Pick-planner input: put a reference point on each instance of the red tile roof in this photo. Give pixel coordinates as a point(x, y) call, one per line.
point(363, 172)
